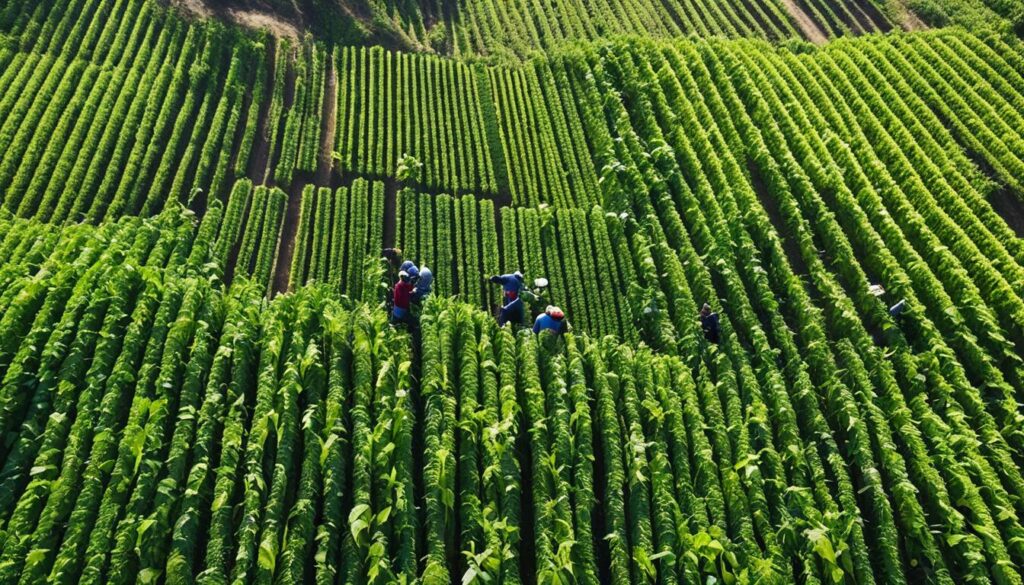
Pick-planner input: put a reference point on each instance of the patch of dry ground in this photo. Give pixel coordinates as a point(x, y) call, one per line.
point(242, 16)
point(805, 23)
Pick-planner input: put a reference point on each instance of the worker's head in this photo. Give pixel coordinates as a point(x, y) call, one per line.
point(518, 275)
point(706, 309)
point(554, 312)
point(403, 276)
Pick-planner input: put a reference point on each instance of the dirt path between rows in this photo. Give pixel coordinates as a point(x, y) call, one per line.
point(261, 150)
point(911, 21)
point(286, 245)
point(322, 178)
point(325, 162)
point(812, 32)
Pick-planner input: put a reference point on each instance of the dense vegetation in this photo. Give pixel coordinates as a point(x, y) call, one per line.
point(198, 381)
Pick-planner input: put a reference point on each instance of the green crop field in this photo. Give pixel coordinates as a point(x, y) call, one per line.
point(199, 381)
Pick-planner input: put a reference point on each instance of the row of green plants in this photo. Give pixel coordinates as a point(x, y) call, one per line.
point(536, 123)
point(456, 237)
point(298, 127)
point(339, 238)
point(517, 30)
point(174, 429)
point(256, 252)
point(393, 105)
point(767, 174)
point(94, 135)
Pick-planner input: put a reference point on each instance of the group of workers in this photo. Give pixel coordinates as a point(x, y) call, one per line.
point(513, 309)
point(413, 285)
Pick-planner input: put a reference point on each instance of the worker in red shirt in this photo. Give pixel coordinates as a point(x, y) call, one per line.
point(402, 297)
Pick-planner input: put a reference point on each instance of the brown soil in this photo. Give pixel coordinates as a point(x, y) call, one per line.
point(911, 21)
point(322, 177)
point(325, 162)
point(868, 17)
point(241, 15)
point(261, 150)
point(812, 32)
point(196, 7)
point(262, 21)
point(286, 245)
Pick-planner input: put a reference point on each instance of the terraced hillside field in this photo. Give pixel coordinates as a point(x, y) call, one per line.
point(199, 381)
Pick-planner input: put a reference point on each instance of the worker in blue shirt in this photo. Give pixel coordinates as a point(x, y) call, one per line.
point(709, 322)
point(512, 304)
point(423, 279)
point(552, 319)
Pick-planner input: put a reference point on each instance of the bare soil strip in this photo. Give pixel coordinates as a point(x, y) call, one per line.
point(286, 246)
point(812, 32)
point(261, 150)
point(325, 161)
point(911, 21)
point(322, 178)
point(868, 17)
point(1010, 208)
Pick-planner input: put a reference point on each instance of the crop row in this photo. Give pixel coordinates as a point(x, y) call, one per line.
point(340, 237)
point(260, 231)
point(395, 104)
point(177, 430)
point(455, 237)
point(295, 136)
point(544, 148)
point(90, 138)
point(576, 251)
point(458, 239)
point(781, 190)
point(514, 30)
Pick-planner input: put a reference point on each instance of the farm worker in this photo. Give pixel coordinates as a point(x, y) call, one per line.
point(393, 256)
point(423, 280)
point(898, 309)
point(512, 304)
point(511, 312)
point(511, 285)
point(552, 319)
point(709, 323)
point(410, 267)
point(402, 295)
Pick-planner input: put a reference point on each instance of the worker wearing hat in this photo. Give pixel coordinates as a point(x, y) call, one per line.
point(552, 319)
point(402, 296)
point(512, 305)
